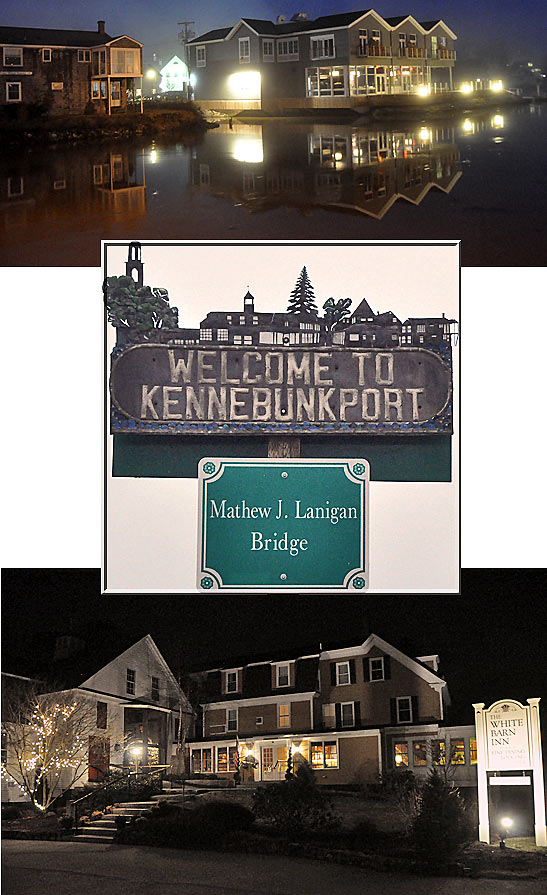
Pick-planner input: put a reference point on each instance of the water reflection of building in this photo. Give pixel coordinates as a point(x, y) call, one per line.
point(337, 166)
point(51, 187)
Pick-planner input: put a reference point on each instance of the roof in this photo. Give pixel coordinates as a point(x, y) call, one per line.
point(257, 681)
point(56, 37)
point(363, 310)
point(216, 34)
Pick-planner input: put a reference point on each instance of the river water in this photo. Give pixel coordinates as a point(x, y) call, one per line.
point(480, 179)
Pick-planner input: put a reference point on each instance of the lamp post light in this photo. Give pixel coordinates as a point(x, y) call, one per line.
point(136, 752)
point(506, 824)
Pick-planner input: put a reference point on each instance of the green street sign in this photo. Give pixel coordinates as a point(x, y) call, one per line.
point(283, 524)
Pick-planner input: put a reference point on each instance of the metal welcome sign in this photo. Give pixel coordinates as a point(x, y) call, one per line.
point(167, 389)
point(283, 524)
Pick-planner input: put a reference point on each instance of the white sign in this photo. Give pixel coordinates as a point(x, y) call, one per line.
point(507, 740)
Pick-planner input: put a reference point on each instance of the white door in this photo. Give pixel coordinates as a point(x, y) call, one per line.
point(115, 93)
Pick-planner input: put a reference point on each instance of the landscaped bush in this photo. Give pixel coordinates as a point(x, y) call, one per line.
point(294, 806)
point(203, 826)
point(10, 812)
point(443, 823)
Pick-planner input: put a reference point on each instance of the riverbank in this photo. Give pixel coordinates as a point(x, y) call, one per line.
point(25, 129)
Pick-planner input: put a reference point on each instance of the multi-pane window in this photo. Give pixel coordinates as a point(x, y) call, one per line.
point(102, 715)
point(244, 49)
point(419, 753)
point(326, 81)
point(201, 760)
point(155, 688)
point(472, 751)
point(15, 187)
point(324, 754)
point(200, 57)
point(376, 668)
point(400, 754)
point(84, 55)
point(363, 37)
point(226, 758)
point(231, 719)
point(206, 334)
point(287, 49)
point(125, 62)
point(342, 673)
point(130, 680)
point(46, 54)
point(322, 47)
point(284, 716)
point(222, 335)
point(404, 710)
point(438, 752)
point(329, 715)
point(375, 36)
point(268, 51)
point(13, 91)
point(347, 714)
point(98, 90)
point(420, 328)
point(231, 682)
point(282, 675)
point(13, 57)
point(457, 752)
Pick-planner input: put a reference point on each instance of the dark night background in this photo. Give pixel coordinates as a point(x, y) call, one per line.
point(485, 27)
point(491, 640)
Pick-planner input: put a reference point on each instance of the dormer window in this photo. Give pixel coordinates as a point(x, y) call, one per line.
point(231, 682)
point(282, 676)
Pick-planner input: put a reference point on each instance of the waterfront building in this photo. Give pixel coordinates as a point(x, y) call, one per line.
point(334, 61)
point(59, 71)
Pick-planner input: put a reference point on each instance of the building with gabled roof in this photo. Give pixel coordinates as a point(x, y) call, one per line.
point(63, 71)
point(333, 61)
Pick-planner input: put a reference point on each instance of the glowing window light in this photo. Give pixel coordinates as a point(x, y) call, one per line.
point(466, 88)
point(244, 85)
point(193, 80)
point(498, 121)
point(249, 150)
point(425, 134)
point(496, 86)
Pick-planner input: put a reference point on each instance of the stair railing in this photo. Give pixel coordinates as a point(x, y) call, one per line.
point(75, 806)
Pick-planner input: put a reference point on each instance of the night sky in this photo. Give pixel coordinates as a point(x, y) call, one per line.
point(483, 26)
point(491, 639)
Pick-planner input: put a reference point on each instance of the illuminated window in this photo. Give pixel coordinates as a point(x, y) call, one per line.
point(231, 682)
point(244, 49)
point(329, 715)
point(404, 710)
point(331, 755)
point(13, 57)
point(268, 51)
point(200, 57)
point(419, 753)
point(84, 55)
point(472, 751)
point(125, 62)
point(322, 47)
point(457, 752)
point(324, 754)
point(284, 716)
point(376, 669)
point(438, 752)
point(282, 676)
point(155, 689)
point(46, 55)
point(287, 49)
point(222, 759)
point(222, 335)
point(206, 334)
point(400, 752)
point(231, 719)
point(347, 714)
point(102, 715)
point(13, 91)
point(196, 761)
point(206, 760)
point(130, 681)
point(342, 673)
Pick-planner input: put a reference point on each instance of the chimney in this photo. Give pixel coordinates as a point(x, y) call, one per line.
point(100, 26)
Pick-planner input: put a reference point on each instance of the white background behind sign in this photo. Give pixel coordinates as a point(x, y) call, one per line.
point(52, 486)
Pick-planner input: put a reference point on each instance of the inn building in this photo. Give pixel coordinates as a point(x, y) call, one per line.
point(332, 61)
point(351, 712)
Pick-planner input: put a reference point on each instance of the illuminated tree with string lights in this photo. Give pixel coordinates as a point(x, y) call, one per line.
point(46, 742)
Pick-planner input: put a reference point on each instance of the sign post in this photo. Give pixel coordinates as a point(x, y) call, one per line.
point(283, 524)
point(508, 739)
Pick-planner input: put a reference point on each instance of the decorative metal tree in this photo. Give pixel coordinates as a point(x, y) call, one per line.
point(336, 311)
point(302, 299)
point(138, 308)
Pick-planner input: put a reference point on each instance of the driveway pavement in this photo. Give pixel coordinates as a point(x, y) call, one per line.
point(70, 868)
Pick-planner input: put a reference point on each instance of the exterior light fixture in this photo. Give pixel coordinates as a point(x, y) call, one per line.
point(425, 134)
point(496, 86)
point(468, 126)
point(423, 90)
point(466, 88)
point(506, 824)
point(150, 73)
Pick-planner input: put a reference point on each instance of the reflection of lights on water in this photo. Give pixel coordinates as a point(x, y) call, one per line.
point(468, 126)
point(423, 90)
point(496, 86)
point(248, 149)
point(153, 156)
point(466, 88)
point(497, 121)
point(497, 139)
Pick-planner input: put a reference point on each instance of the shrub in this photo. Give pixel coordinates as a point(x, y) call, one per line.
point(66, 824)
point(10, 812)
point(294, 806)
point(203, 826)
point(442, 824)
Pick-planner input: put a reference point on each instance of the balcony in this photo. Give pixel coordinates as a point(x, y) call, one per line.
point(412, 52)
point(371, 49)
point(442, 53)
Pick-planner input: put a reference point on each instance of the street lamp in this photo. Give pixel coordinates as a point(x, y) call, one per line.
point(506, 824)
point(136, 752)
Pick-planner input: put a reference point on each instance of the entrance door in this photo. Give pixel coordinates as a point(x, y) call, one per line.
point(274, 762)
point(98, 758)
point(380, 80)
point(115, 93)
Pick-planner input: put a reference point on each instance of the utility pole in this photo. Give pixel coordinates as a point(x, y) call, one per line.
point(186, 35)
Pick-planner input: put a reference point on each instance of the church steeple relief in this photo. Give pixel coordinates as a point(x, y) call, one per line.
point(134, 266)
point(248, 303)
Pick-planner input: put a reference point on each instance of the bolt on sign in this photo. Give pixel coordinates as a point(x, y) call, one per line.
point(283, 524)
point(158, 388)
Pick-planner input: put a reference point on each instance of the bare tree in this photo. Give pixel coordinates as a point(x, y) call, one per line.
point(47, 737)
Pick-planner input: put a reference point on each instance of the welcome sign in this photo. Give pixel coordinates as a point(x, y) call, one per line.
point(158, 388)
point(283, 524)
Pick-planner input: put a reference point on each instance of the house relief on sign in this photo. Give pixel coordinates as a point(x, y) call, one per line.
point(265, 372)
